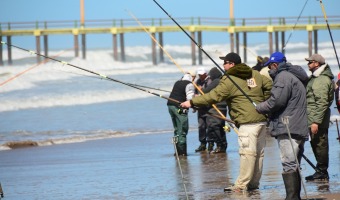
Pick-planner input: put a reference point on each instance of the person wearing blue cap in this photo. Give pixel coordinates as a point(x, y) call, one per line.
point(287, 110)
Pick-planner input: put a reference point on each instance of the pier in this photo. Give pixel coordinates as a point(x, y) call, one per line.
point(276, 29)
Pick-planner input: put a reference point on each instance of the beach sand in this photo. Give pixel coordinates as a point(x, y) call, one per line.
point(143, 167)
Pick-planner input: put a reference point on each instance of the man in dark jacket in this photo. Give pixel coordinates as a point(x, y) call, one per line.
point(287, 101)
point(183, 90)
point(202, 82)
point(320, 95)
point(216, 126)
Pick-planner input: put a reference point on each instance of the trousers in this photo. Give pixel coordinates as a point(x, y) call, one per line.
point(287, 155)
point(252, 141)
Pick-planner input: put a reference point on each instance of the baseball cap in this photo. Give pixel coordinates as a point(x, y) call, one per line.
point(232, 57)
point(316, 57)
point(201, 71)
point(276, 57)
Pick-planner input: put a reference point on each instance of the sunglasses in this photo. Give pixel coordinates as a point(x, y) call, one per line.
point(310, 62)
point(227, 62)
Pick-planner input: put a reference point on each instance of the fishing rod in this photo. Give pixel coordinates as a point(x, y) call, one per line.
point(201, 48)
point(92, 72)
point(174, 142)
point(103, 76)
point(291, 33)
point(285, 121)
point(329, 30)
point(180, 68)
point(141, 86)
point(30, 68)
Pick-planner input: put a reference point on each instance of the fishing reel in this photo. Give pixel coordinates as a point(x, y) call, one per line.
point(226, 128)
point(182, 111)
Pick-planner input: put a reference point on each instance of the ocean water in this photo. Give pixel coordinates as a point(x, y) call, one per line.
point(55, 103)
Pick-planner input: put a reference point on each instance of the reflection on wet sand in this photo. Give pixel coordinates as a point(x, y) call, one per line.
point(205, 176)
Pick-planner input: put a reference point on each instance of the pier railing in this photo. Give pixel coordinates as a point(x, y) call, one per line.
point(195, 25)
point(205, 21)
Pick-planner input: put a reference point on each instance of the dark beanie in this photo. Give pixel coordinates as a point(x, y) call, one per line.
point(232, 57)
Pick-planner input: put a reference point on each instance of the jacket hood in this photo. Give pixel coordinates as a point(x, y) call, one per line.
point(324, 70)
point(242, 71)
point(214, 73)
point(296, 70)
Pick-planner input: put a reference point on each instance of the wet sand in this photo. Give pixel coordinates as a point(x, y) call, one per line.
point(143, 167)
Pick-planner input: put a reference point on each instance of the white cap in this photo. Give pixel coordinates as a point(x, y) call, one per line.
point(187, 77)
point(201, 71)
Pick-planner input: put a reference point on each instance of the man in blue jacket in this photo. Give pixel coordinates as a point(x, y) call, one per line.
point(287, 101)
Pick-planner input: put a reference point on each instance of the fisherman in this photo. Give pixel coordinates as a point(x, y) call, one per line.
point(216, 132)
point(288, 99)
point(320, 95)
point(182, 90)
point(252, 125)
point(259, 64)
point(202, 82)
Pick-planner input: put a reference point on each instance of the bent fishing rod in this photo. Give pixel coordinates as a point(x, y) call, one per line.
point(201, 48)
point(329, 30)
point(89, 71)
point(103, 76)
point(180, 68)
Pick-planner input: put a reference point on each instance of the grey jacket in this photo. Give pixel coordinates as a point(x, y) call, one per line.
point(288, 98)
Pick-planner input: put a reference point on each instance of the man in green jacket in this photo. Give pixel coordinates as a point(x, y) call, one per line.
point(320, 95)
point(252, 125)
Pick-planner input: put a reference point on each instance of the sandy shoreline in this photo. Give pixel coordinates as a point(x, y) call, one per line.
point(144, 167)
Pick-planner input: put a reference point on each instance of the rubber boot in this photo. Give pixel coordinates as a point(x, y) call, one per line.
point(182, 150)
point(201, 148)
point(293, 185)
point(210, 147)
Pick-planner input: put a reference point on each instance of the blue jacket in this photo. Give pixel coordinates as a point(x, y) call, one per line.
point(288, 99)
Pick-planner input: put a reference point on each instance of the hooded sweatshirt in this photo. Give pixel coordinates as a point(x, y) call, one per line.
point(287, 101)
point(241, 110)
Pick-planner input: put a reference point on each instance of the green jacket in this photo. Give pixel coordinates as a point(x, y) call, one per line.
point(241, 110)
point(320, 95)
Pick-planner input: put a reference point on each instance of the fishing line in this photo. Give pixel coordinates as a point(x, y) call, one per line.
point(201, 48)
point(174, 141)
point(291, 33)
point(329, 30)
point(179, 67)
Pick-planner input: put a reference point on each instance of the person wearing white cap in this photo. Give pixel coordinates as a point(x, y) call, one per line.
point(182, 90)
point(202, 82)
point(320, 95)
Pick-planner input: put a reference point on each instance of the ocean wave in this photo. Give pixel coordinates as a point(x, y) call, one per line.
point(76, 138)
